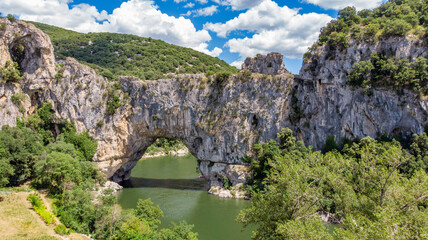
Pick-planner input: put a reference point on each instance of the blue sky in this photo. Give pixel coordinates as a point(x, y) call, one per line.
point(228, 29)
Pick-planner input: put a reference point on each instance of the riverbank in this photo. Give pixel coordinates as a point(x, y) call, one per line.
point(179, 153)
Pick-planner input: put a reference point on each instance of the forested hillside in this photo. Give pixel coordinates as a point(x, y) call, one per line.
point(114, 54)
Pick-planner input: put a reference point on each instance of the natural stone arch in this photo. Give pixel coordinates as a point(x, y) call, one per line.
point(222, 119)
point(218, 130)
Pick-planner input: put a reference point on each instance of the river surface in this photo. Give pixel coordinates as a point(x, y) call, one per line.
point(173, 184)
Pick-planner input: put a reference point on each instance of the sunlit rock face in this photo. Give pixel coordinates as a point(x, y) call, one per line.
point(271, 64)
point(219, 120)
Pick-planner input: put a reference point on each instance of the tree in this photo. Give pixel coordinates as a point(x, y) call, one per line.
point(148, 212)
point(182, 231)
point(59, 171)
point(22, 149)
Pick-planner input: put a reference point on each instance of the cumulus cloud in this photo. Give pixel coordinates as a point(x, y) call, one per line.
point(339, 4)
point(208, 11)
point(139, 17)
point(239, 4)
point(276, 29)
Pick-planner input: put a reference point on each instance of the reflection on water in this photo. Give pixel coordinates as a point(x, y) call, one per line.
point(173, 184)
point(182, 184)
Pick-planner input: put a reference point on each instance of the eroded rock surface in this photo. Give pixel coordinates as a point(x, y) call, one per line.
point(271, 64)
point(217, 121)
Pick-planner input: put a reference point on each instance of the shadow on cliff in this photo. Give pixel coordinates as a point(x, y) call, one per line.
point(183, 184)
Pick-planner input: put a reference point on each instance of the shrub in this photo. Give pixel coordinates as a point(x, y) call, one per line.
point(40, 208)
point(100, 123)
point(10, 73)
point(360, 73)
point(11, 17)
point(221, 78)
point(396, 27)
point(61, 230)
point(330, 144)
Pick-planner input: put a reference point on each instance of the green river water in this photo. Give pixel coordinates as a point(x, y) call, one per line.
point(173, 184)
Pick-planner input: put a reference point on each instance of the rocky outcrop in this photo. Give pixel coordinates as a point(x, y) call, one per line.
point(218, 121)
point(271, 64)
point(327, 106)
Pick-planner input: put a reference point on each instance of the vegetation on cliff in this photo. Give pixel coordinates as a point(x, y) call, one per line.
point(114, 54)
point(373, 189)
point(49, 153)
point(393, 19)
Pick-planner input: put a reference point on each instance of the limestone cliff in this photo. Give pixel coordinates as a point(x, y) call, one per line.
point(327, 106)
point(218, 119)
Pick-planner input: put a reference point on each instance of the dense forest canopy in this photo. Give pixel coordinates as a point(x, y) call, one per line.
point(371, 189)
point(114, 54)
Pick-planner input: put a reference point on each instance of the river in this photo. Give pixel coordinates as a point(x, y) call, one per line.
point(173, 184)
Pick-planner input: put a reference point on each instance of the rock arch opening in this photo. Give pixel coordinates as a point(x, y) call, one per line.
point(167, 163)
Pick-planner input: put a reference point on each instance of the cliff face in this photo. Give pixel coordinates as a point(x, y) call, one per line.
point(219, 120)
point(330, 107)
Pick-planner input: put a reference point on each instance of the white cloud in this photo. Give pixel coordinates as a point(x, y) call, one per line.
point(339, 4)
point(189, 5)
point(202, 1)
point(239, 4)
point(208, 11)
point(139, 17)
point(237, 64)
point(276, 29)
point(179, 1)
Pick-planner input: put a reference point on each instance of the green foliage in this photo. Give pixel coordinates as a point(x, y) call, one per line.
point(164, 145)
point(11, 17)
point(396, 27)
point(391, 19)
point(40, 208)
point(2, 26)
point(394, 72)
point(221, 78)
point(63, 166)
point(17, 98)
point(6, 170)
point(116, 55)
point(58, 76)
point(61, 230)
point(60, 172)
point(100, 123)
point(365, 184)
point(10, 72)
point(330, 144)
point(21, 148)
point(82, 142)
point(178, 231)
point(149, 212)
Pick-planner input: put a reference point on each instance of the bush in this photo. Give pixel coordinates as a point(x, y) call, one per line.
point(221, 78)
point(61, 230)
point(10, 73)
point(396, 27)
point(330, 144)
point(11, 17)
point(40, 208)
